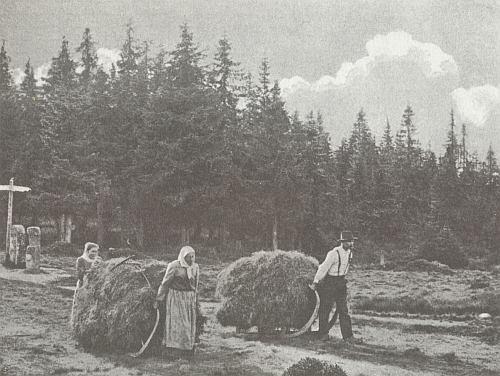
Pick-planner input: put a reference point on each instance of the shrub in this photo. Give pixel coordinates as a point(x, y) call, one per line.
point(314, 367)
point(62, 249)
point(269, 290)
point(424, 266)
point(444, 248)
point(405, 304)
point(480, 283)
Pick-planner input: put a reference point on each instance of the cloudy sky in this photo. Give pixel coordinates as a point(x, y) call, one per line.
point(330, 56)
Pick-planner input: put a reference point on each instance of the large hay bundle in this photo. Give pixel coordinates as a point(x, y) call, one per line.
point(114, 309)
point(268, 290)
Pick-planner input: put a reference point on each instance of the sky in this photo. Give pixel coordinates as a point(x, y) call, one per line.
point(334, 57)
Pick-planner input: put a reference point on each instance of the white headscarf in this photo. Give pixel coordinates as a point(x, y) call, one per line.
point(191, 269)
point(88, 247)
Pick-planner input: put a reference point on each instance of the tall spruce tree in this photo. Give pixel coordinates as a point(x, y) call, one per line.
point(406, 141)
point(388, 223)
point(448, 184)
point(62, 72)
point(129, 55)
point(492, 171)
point(5, 73)
point(363, 158)
point(28, 84)
point(412, 184)
point(225, 76)
point(8, 133)
point(184, 68)
point(88, 57)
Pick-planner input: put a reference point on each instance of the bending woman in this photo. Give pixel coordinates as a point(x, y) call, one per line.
point(88, 259)
point(180, 287)
point(84, 263)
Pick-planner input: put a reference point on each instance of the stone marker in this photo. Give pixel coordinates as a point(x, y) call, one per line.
point(17, 247)
point(33, 250)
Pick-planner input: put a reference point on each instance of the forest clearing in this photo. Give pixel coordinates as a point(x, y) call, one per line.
point(36, 339)
point(249, 128)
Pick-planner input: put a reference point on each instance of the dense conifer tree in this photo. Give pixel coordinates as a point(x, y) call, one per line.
point(88, 58)
point(5, 73)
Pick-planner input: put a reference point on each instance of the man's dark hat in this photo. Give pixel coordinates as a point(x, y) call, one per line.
point(346, 236)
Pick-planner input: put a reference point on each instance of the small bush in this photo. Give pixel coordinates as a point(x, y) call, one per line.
point(414, 353)
point(485, 302)
point(444, 248)
point(404, 304)
point(62, 249)
point(480, 283)
point(314, 367)
point(489, 302)
point(425, 266)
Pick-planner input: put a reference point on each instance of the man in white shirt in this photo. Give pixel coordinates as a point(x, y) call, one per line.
point(332, 287)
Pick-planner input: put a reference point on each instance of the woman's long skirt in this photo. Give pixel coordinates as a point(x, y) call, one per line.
point(180, 320)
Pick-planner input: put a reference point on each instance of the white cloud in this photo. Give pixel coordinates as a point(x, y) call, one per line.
point(296, 83)
point(41, 72)
point(473, 106)
point(106, 58)
point(396, 46)
point(18, 76)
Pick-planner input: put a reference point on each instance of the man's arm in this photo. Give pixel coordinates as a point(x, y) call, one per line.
point(323, 268)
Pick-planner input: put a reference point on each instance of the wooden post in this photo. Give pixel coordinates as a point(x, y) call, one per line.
point(275, 233)
point(68, 228)
point(62, 227)
point(11, 188)
point(33, 250)
point(9, 215)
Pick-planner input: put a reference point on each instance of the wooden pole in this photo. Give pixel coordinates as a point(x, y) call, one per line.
point(11, 188)
point(9, 217)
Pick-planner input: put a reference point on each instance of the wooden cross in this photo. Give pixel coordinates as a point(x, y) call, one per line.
point(11, 188)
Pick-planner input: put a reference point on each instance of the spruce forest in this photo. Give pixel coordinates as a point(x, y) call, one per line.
point(168, 149)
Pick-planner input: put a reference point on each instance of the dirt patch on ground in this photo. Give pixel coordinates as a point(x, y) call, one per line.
point(35, 338)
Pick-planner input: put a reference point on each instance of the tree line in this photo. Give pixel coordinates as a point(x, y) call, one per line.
point(166, 149)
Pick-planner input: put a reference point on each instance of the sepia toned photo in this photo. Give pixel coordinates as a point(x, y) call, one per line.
point(250, 188)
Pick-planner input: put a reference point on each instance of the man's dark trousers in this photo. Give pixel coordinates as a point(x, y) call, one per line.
point(334, 289)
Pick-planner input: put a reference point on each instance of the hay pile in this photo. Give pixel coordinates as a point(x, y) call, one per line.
point(268, 290)
point(114, 309)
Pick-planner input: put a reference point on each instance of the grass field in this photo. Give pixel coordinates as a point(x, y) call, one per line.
point(412, 323)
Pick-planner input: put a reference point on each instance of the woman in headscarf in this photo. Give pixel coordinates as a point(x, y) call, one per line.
point(180, 287)
point(86, 261)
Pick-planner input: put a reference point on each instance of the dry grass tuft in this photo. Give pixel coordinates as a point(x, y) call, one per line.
point(268, 290)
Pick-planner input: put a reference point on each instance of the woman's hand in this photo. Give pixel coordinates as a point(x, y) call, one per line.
point(156, 304)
